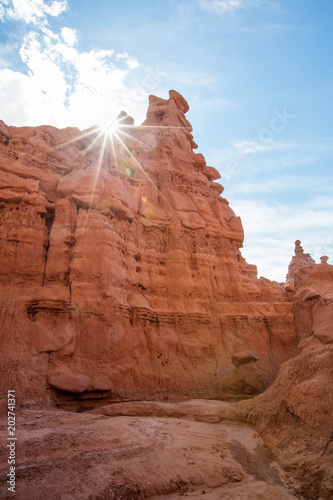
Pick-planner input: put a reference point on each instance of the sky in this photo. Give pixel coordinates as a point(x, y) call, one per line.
point(258, 76)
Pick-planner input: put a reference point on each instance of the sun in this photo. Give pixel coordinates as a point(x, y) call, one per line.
point(114, 137)
point(109, 126)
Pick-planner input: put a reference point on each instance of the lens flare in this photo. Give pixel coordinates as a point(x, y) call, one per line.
point(116, 139)
point(109, 127)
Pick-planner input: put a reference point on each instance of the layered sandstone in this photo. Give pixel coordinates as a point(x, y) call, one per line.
point(121, 271)
point(294, 416)
point(299, 261)
point(122, 278)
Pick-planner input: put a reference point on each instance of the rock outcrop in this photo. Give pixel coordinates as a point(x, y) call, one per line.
point(299, 260)
point(87, 456)
point(121, 261)
point(242, 358)
point(294, 415)
point(122, 279)
point(246, 379)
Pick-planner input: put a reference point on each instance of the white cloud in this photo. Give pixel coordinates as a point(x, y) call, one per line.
point(322, 145)
point(64, 86)
point(33, 11)
point(8, 53)
point(255, 188)
point(2, 12)
point(61, 85)
point(45, 73)
point(130, 61)
point(255, 156)
point(277, 227)
point(16, 93)
point(286, 184)
point(250, 146)
point(56, 8)
point(283, 192)
point(222, 7)
point(69, 36)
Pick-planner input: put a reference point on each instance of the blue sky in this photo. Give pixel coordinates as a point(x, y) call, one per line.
point(258, 75)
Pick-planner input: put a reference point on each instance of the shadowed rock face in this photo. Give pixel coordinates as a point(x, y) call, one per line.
point(121, 271)
point(294, 415)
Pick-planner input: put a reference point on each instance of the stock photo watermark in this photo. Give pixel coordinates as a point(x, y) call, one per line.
point(150, 82)
point(11, 441)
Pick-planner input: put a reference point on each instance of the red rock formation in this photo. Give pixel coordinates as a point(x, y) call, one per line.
point(141, 457)
point(242, 358)
point(294, 415)
point(121, 268)
point(299, 261)
point(122, 277)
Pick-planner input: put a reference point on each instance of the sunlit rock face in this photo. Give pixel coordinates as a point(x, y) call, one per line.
point(299, 261)
point(121, 271)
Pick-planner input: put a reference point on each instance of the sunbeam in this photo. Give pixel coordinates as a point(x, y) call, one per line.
point(100, 160)
point(136, 161)
point(109, 127)
point(112, 135)
point(135, 139)
point(75, 139)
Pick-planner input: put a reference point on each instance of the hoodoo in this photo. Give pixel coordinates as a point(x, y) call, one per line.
point(122, 275)
point(127, 307)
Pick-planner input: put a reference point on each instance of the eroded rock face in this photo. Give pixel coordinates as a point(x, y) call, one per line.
point(141, 457)
point(242, 358)
point(299, 261)
point(121, 262)
point(295, 414)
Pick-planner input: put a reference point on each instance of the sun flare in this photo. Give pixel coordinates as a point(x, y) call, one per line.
point(109, 127)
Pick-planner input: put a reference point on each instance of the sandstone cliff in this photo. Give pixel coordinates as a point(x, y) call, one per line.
point(121, 271)
point(295, 414)
point(121, 278)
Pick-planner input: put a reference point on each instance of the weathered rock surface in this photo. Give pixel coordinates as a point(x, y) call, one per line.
point(72, 456)
point(121, 260)
point(242, 358)
point(245, 380)
point(299, 260)
point(122, 278)
point(294, 416)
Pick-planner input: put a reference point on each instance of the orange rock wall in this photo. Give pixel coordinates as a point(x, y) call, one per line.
point(121, 273)
point(295, 414)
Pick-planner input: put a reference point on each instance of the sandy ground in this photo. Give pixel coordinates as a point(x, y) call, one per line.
point(63, 455)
